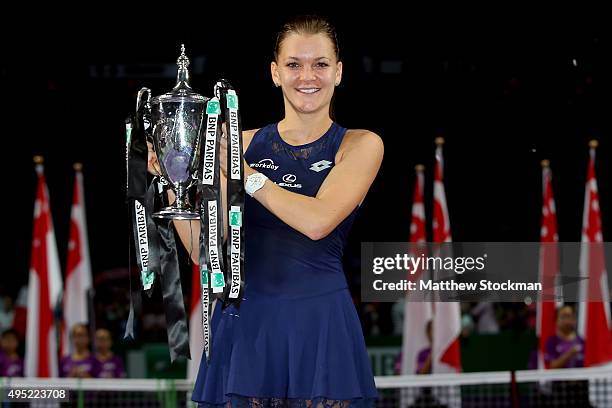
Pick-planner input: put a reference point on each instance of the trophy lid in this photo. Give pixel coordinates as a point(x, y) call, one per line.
point(182, 91)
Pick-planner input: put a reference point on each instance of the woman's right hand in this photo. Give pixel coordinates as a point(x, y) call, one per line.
point(223, 150)
point(152, 162)
point(154, 168)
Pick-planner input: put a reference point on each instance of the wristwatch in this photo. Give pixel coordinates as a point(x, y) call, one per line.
point(254, 182)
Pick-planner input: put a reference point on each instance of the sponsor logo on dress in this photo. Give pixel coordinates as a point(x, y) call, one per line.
point(289, 180)
point(320, 165)
point(264, 164)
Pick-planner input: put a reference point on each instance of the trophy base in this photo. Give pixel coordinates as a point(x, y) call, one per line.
point(177, 214)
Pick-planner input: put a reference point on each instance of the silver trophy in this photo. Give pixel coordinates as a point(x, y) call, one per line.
point(176, 118)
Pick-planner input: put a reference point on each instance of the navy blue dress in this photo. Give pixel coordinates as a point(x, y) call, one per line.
point(296, 338)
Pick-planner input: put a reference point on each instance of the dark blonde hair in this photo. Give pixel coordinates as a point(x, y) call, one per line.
point(78, 326)
point(307, 24)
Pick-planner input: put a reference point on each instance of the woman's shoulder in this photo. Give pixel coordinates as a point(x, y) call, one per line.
point(361, 139)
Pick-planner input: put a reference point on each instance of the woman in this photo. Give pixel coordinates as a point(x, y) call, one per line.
point(565, 349)
point(296, 339)
point(11, 365)
point(81, 363)
point(110, 365)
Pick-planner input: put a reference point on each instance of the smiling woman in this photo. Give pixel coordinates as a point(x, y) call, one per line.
point(296, 340)
point(307, 65)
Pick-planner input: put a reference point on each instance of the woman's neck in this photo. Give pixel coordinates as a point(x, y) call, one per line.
point(299, 129)
point(12, 356)
point(105, 355)
point(566, 335)
point(80, 355)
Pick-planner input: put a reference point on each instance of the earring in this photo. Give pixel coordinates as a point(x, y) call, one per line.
point(337, 83)
point(277, 85)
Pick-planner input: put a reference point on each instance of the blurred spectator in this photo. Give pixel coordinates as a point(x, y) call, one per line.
point(532, 362)
point(485, 318)
point(424, 357)
point(513, 316)
point(81, 363)
point(565, 349)
point(11, 365)
point(397, 316)
point(7, 313)
point(532, 315)
point(370, 319)
point(425, 397)
point(110, 365)
point(467, 324)
point(21, 311)
point(423, 360)
point(154, 324)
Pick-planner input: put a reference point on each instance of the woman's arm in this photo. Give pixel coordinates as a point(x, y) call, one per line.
point(564, 358)
point(343, 189)
point(426, 369)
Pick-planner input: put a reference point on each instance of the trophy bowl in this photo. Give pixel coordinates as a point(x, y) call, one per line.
point(177, 119)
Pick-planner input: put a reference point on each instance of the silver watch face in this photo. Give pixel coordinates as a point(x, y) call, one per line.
point(260, 180)
point(255, 182)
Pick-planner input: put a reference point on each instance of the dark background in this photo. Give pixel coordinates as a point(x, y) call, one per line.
point(505, 90)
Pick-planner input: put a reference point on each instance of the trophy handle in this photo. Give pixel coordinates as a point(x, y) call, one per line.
point(143, 110)
point(139, 98)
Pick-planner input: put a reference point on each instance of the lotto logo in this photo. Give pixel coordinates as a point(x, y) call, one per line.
point(320, 165)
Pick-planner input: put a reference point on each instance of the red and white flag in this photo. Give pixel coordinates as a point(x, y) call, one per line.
point(594, 322)
point(416, 314)
point(548, 266)
point(447, 315)
point(78, 272)
point(44, 289)
point(196, 339)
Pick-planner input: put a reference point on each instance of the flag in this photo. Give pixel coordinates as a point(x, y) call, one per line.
point(447, 315)
point(548, 266)
point(196, 339)
point(594, 323)
point(416, 314)
point(44, 289)
point(78, 271)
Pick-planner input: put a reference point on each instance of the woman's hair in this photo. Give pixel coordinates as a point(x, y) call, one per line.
point(307, 24)
point(10, 332)
point(565, 306)
point(78, 326)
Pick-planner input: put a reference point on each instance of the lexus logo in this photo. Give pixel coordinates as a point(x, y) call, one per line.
point(289, 178)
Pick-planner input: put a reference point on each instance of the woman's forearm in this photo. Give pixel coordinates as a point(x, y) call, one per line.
point(189, 231)
point(308, 215)
point(563, 359)
point(305, 214)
